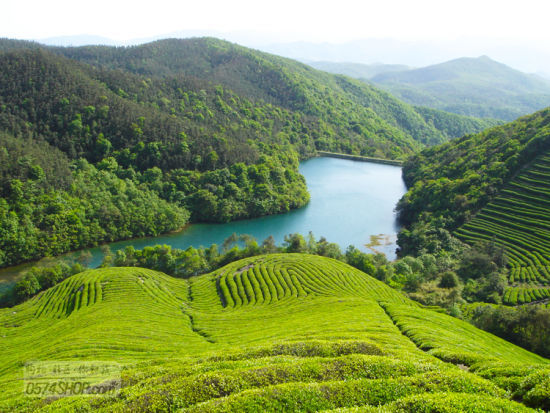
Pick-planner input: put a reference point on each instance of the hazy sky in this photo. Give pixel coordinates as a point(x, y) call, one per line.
point(303, 20)
point(282, 20)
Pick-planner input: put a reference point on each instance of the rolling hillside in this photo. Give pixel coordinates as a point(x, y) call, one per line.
point(270, 333)
point(477, 87)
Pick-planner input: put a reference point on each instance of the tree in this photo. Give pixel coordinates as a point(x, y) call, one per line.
point(360, 260)
point(211, 160)
point(203, 205)
point(295, 243)
point(269, 246)
point(26, 287)
point(449, 279)
point(475, 264)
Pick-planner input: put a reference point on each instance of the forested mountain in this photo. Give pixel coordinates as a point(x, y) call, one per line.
point(456, 179)
point(219, 156)
point(282, 82)
point(212, 129)
point(477, 87)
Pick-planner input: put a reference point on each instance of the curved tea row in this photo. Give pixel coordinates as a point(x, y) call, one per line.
point(281, 332)
point(519, 220)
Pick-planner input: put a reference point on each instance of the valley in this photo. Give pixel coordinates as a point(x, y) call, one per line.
point(174, 191)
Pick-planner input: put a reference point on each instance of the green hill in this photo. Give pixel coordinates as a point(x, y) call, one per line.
point(217, 156)
point(270, 333)
point(477, 87)
point(490, 187)
point(280, 81)
point(456, 179)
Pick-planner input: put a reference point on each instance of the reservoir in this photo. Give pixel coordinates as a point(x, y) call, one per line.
point(352, 203)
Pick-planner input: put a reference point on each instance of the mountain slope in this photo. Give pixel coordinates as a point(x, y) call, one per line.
point(175, 140)
point(492, 188)
point(258, 75)
point(456, 179)
point(212, 129)
point(261, 333)
point(517, 220)
point(470, 86)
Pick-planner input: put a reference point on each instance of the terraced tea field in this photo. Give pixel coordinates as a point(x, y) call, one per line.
point(519, 220)
point(289, 332)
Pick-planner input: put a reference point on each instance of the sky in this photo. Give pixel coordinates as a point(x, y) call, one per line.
point(522, 22)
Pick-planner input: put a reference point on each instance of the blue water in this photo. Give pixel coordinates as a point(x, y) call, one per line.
point(350, 202)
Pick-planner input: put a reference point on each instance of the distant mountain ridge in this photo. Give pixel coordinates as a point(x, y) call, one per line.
point(478, 87)
point(276, 80)
point(356, 70)
point(228, 64)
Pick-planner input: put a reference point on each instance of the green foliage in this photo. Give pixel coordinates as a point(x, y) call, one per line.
point(527, 383)
point(456, 179)
point(284, 83)
point(240, 191)
point(30, 160)
point(193, 261)
point(489, 191)
point(442, 336)
point(453, 125)
point(262, 333)
point(449, 279)
point(27, 287)
point(455, 402)
point(38, 279)
point(97, 207)
point(295, 243)
point(526, 326)
point(514, 221)
point(535, 390)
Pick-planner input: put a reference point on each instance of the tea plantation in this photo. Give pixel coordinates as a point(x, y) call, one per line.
point(519, 220)
point(281, 332)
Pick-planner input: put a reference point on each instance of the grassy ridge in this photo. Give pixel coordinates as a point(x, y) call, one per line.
point(277, 332)
point(443, 336)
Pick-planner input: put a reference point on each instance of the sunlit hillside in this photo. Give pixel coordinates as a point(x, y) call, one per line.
point(271, 333)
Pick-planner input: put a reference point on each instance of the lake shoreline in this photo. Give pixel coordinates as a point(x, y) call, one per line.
point(350, 201)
